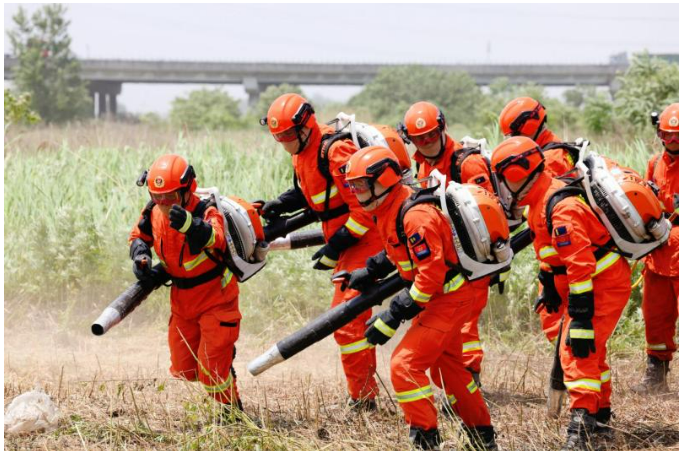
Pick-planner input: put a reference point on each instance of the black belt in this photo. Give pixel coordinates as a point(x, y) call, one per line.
point(185, 283)
point(332, 213)
point(598, 255)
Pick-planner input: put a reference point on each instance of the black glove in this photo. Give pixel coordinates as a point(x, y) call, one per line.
point(383, 326)
point(327, 256)
point(289, 201)
point(377, 267)
point(581, 333)
point(140, 253)
point(272, 209)
point(198, 232)
point(549, 298)
point(581, 338)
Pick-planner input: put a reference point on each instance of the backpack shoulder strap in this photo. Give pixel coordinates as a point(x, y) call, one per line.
point(558, 196)
point(571, 148)
point(423, 196)
point(457, 159)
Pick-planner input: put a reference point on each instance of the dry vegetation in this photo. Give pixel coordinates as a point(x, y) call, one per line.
point(114, 392)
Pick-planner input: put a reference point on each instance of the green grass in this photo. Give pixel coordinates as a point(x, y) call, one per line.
point(68, 212)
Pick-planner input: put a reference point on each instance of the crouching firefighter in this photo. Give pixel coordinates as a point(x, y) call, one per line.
point(588, 273)
point(660, 303)
point(319, 157)
point(425, 126)
point(188, 237)
point(439, 300)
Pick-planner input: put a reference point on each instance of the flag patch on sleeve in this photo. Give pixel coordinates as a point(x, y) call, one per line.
point(421, 250)
point(563, 237)
point(415, 238)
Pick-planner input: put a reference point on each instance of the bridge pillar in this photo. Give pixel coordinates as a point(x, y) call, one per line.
point(253, 90)
point(106, 97)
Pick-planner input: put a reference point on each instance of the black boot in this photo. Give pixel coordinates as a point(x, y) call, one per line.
point(428, 440)
point(603, 420)
point(580, 431)
point(655, 378)
point(481, 438)
point(363, 405)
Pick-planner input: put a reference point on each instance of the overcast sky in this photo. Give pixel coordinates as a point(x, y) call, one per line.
point(433, 33)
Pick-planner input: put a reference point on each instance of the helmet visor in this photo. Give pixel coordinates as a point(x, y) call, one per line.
point(166, 199)
point(516, 167)
point(359, 186)
point(426, 139)
point(668, 137)
point(518, 123)
point(287, 136)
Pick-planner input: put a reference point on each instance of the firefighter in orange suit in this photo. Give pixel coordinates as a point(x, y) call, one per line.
point(187, 235)
point(439, 301)
point(319, 158)
point(593, 279)
point(425, 126)
point(525, 116)
point(660, 304)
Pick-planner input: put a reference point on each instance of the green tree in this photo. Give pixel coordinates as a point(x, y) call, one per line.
point(394, 89)
point(270, 94)
point(648, 84)
point(598, 113)
point(206, 108)
point(18, 109)
point(47, 68)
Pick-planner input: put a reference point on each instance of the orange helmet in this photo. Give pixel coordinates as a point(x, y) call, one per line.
point(396, 145)
point(169, 174)
point(667, 124)
point(515, 159)
point(523, 116)
point(371, 164)
point(287, 115)
point(422, 118)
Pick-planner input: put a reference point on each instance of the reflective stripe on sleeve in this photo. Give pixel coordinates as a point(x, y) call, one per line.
point(418, 295)
point(414, 395)
point(406, 265)
point(355, 347)
point(320, 197)
point(187, 223)
point(581, 287)
point(547, 251)
point(584, 384)
point(454, 284)
point(355, 227)
point(606, 262)
point(328, 261)
point(606, 376)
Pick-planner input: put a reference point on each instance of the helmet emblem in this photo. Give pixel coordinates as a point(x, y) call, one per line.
point(420, 123)
point(274, 122)
point(159, 182)
point(674, 121)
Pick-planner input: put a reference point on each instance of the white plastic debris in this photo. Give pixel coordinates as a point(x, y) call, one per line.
point(32, 411)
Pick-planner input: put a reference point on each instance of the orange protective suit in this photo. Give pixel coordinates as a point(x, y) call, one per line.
point(358, 359)
point(571, 252)
point(472, 170)
point(205, 319)
point(660, 304)
point(434, 340)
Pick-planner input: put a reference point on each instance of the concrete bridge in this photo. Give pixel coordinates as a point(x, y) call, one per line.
point(106, 77)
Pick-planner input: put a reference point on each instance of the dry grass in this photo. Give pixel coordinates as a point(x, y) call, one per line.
point(114, 392)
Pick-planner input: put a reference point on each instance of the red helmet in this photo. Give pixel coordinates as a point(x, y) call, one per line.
point(169, 174)
point(516, 159)
point(668, 124)
point(287, 115)
point(371, 164)
point(422, 118)
point(523, 116)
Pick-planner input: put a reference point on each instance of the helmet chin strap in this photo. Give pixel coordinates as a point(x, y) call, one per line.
point(523, 191)
point(302, 143)
point(442, 140)
point(374, 197)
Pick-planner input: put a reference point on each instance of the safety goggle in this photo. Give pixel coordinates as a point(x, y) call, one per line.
point(286, 136)
point(668, 137)
point(166, 199)
point(520, 160)
point(518, 123)
point(359, 185)
point(426, 139)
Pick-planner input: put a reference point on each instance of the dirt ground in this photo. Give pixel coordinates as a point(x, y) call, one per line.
point(114, 392)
